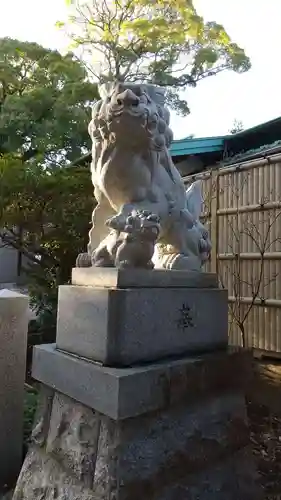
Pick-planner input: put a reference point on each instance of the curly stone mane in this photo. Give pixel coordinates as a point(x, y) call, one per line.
point(117, 111)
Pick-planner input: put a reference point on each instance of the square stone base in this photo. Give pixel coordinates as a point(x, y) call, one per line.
point(123, 327)
point(111, 277)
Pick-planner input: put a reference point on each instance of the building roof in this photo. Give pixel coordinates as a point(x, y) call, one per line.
point(254, 142)
point(251, 154)
point(271, 125)
point(194, 146)
point(248, 139)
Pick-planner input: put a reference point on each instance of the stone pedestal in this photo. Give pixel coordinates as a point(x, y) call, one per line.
point(13, 342)
point(169, 429)
point(135, 316)
point(174, 430)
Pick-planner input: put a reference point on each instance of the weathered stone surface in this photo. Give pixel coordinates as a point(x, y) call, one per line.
point(13, 342)
point(184, 452)
point(112, 391)
point(43, 478)
point(73, 437)
point(125, 327)
point(183, 438)
point(106, 277)
point(43, 414)
point(107, 478)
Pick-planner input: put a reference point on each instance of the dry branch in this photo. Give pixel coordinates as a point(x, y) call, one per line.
point(258, 234)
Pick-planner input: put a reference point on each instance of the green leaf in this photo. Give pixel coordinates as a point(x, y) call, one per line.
point(59, 24)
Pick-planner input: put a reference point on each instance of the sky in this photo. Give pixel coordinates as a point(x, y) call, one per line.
point(216, 102)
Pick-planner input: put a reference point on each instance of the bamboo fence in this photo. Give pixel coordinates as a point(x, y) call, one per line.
point(242, 208)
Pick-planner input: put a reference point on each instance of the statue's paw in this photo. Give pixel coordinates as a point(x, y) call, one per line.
point(181, 262)
point(83, 260)
point(117, 222)
point(102, 258)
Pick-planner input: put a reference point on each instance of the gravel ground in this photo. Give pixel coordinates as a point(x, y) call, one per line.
point(264, 411)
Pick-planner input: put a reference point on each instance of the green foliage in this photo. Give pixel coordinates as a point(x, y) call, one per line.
point(162, 41)
point(45, 205)
point(44, 103)
point(30, 405)
point(52, 208)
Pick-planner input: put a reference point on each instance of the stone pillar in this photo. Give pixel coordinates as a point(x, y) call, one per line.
point(112, 425)
point(13, 344)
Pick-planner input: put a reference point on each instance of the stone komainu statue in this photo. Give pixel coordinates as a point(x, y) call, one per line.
point(133, 174)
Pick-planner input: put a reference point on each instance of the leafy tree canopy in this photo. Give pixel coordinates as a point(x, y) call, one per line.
point(44, 103)
point(45, 216)
point(158, 41)
point(45, 211)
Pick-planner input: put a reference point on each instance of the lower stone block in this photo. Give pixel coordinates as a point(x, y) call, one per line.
point(185, 449)
point(181, 453)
